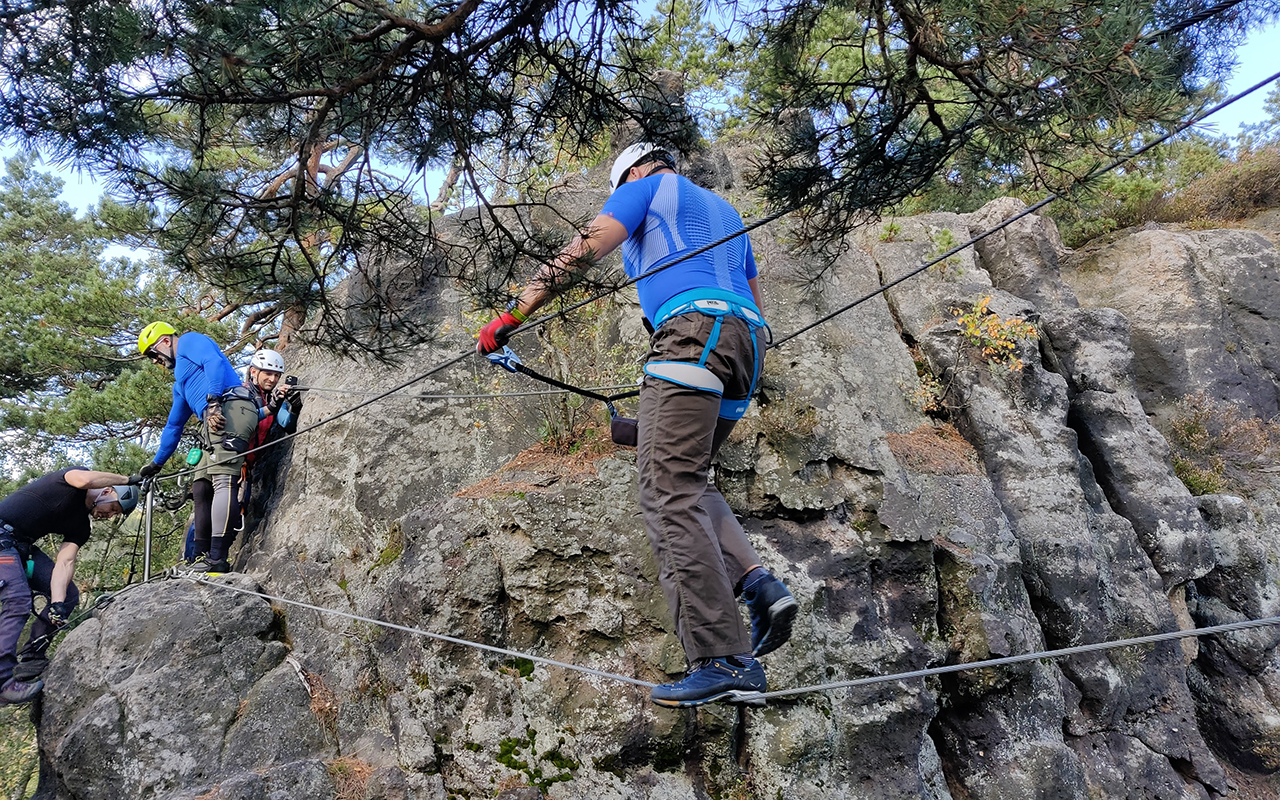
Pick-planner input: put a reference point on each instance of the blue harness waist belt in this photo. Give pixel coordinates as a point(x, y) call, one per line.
point(719, 304)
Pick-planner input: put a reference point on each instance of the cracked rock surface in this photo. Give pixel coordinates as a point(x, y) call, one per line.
point(1038, 510)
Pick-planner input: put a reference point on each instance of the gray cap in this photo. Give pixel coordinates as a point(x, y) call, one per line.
point(128, 497)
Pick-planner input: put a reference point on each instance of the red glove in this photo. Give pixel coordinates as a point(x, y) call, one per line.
point(496, 334)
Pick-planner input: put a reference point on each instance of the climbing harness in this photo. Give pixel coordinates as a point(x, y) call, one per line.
point(717, 304)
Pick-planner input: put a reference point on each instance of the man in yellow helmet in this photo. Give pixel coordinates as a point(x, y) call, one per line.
point(204, 383)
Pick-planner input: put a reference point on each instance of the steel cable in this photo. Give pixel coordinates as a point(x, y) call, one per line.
point(818, 687)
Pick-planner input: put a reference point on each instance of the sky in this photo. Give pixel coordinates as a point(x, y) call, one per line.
point(1258, 57)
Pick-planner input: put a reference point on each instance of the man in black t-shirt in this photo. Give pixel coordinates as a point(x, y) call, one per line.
point(61, 502)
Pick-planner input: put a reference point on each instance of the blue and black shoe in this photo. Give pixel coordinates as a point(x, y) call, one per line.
point(734, 679)
point(772, 608)
point(16, 692)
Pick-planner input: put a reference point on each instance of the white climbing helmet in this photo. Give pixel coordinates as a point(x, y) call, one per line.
point(629, 158)
point(268, 360)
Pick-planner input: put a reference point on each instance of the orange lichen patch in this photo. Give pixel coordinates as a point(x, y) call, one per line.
point(542, 466)
point(935, 450)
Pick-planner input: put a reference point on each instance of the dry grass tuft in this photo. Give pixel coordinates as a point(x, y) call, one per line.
point(935, 450)
point(1237, 190)
point(350, 777)
point(324, 703)
point(1215, 447)
point(538, 468)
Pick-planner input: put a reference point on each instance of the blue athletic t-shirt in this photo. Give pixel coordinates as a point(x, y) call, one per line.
point(200, 369)
point(667, 216)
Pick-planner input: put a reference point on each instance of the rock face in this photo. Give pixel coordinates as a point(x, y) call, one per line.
point(178, 690)
point(1045, 515)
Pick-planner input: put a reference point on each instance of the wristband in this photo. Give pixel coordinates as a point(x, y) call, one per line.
point(513, 308)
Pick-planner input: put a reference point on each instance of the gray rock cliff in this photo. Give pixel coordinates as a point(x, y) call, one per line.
point(1028, 509)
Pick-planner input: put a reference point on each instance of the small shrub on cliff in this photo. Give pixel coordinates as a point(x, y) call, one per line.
point(890, 231)
point(1215, 447)
point(1236, 190)
point(944, 241)
point(995, 339)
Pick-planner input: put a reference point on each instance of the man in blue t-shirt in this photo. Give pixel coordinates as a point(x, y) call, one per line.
point(204, 384)
point(704, 361)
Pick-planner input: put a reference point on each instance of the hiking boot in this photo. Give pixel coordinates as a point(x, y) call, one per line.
point(195, 569)
point(16, 692)
point(736, 679)
point(216, 568)
point(772, 608)
point(30, 668)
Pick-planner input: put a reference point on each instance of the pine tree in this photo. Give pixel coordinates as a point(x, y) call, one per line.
point(70, 374)
point(278, 142)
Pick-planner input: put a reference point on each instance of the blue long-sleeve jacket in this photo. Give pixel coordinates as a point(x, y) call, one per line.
point(201, 369)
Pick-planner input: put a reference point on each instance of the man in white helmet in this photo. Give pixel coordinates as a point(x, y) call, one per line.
point(705, 357)
point(278, 407)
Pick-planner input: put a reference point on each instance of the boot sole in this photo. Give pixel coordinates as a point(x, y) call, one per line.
point(781, 614)
point(733, 696)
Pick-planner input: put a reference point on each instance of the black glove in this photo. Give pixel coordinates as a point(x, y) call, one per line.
point(134, 480)
point(60, 613)
point(149, 470)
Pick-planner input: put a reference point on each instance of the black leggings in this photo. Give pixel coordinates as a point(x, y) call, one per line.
point(217, 512)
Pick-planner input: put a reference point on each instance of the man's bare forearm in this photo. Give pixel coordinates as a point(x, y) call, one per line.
point(601, 238)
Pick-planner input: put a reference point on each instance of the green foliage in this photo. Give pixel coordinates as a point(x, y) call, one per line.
point(69, 371)
point(995, 339)
point(890, 231)
point(394, 547)
point(18, 756)
point(509, 751)
point(680, 37)
point(72, 388)
point(1267, 132)
point(944, 241)
point(522, 667)
point(275, 146)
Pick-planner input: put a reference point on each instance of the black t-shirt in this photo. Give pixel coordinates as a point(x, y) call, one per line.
point(48, 505)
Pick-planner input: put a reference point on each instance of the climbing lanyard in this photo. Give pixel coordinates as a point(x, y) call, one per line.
point(508, 360)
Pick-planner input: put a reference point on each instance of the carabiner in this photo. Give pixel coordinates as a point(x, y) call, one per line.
point(507, 359)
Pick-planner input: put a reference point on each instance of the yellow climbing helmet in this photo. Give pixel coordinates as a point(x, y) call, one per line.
point(152, 333)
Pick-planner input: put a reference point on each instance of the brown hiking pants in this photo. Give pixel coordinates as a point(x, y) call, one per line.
point(701, 549)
